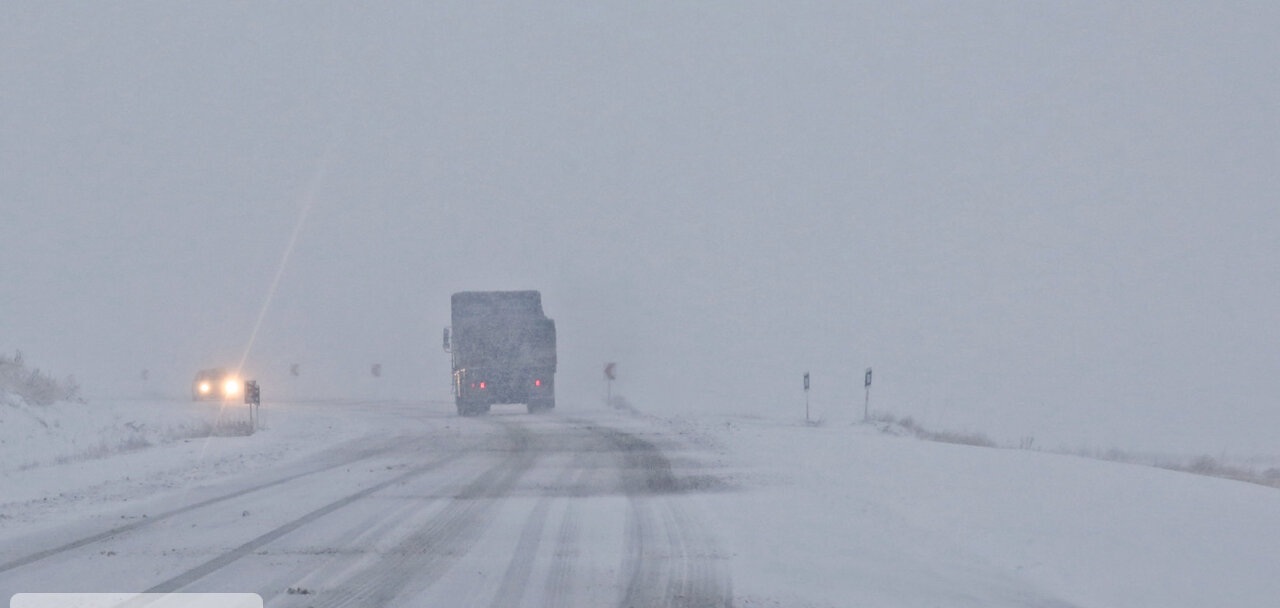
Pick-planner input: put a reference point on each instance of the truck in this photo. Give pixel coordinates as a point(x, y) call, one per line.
point(503, 349)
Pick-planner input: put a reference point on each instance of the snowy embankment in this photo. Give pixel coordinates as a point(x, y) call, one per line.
point(847, 515)
point(66, 432)
point(68, 459)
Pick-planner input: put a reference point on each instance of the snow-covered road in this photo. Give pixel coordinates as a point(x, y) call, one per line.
point(424, 509)
point(405, 504)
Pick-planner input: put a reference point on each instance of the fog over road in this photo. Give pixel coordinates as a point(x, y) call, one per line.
point(501, 510)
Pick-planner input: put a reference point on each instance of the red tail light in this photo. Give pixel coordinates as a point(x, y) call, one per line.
point(481, 386)
point(537, 382)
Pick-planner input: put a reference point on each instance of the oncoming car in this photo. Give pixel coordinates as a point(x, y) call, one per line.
point(216, 384)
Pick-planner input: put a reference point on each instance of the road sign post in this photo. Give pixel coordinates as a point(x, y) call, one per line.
point(866, 405)
point(806, 397)
point(610, 374)
point(253, 399)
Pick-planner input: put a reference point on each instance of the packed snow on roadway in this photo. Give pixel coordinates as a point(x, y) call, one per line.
point(839, 514)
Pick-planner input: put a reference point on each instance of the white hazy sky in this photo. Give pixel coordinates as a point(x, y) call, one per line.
point(1026, 216)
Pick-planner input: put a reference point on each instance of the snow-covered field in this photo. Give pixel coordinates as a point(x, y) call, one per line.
point(841, 514)
point(60, 433)
point(850, 516)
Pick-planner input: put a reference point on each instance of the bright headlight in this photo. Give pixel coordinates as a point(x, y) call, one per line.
point(231, 387)
point(204, 387)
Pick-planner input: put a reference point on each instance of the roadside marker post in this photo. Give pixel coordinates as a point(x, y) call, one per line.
point(866, 405)
point(253, 399)
point(806, 397)
point(610, 374)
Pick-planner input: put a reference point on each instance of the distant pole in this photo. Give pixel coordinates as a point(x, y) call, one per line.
point(806, 397)
point(866, 406)
point(610, 373)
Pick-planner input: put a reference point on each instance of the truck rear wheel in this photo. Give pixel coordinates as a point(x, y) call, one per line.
point(543, 405)
point(471, 409)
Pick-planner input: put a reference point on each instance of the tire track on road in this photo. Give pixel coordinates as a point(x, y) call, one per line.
point(151, 520)
point(560, 582)
point(514, 582)
point(427, 554)
point(560, 575)
point(669, 560)
point(194, 574)
point(221, 561)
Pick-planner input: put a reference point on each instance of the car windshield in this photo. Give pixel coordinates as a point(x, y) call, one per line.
point(771, 303)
